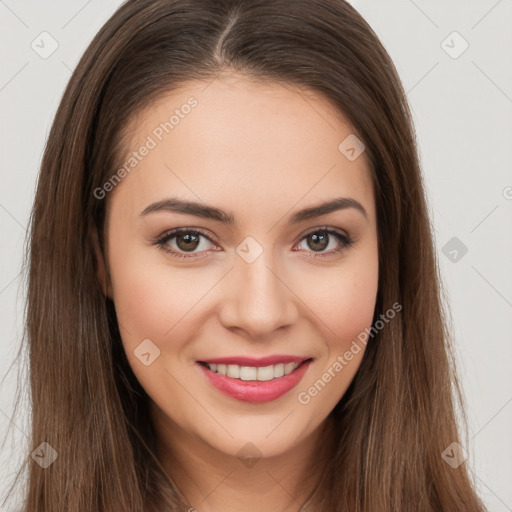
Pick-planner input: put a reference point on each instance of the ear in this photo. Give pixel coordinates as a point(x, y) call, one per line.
point(102, 272)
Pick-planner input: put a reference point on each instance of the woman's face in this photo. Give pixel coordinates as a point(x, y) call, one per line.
point(256, 283)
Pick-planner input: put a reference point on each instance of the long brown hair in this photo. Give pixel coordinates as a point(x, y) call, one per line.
point(399, 413)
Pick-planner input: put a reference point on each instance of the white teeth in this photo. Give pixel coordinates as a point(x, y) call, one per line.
point(259, 373)
point(248, 372)
point(289, 367)
point(278, 370)
point(233, 371)
point(265, 373)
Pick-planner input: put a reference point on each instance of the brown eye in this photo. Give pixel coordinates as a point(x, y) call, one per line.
point(184, 242)
point(318, 242)
point(187, 242)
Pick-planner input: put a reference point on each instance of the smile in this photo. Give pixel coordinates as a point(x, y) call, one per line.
point(259, 373)
point(255, 381)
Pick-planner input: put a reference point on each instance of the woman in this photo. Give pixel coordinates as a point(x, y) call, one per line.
point(233, 294)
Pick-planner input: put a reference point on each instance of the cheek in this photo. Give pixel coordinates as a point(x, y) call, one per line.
point(147, 305)
point(344, 300)
point(351, 311)
point(149, 296)
point(344, 305)
point(140, 301)
point(153, 304)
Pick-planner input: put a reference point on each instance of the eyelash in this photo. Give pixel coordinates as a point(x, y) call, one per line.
point(345, 241)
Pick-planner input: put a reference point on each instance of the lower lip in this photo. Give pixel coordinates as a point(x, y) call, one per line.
point(255, 391)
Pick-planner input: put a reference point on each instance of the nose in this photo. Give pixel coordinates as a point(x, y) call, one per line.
point(259, 300)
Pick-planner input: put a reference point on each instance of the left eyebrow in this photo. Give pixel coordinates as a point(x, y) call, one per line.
point(341, 203)
point(176, 205)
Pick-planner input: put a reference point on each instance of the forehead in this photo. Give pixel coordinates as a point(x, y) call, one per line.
point(244, 145)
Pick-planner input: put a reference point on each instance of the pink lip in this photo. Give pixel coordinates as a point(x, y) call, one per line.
point(255, 391)
point(251, 361)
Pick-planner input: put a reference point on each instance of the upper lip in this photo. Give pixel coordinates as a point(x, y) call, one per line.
point(252, 361)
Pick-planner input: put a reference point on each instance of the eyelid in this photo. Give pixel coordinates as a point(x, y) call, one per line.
point(323, 228)
point(162, 240)
point(176, 231)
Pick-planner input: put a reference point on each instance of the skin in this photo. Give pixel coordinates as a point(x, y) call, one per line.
point(260, 151)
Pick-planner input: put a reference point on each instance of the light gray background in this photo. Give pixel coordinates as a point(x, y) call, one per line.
point(463, 113)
